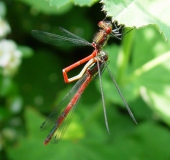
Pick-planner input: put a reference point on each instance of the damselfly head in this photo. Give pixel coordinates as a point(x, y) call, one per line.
point(106, 26)
point(102, 56)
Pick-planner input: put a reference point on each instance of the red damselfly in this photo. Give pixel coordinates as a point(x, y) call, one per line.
point(59, 120)
point(69, 39)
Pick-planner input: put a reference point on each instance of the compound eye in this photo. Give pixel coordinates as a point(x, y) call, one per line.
point(100, 24)
point(108, 30)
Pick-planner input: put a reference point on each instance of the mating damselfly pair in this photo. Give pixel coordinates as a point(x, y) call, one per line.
point(96, 62)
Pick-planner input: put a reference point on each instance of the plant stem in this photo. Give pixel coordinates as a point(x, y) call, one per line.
point(151, 64)
point(124, 55)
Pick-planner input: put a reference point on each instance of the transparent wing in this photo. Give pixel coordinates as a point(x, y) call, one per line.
point(71, 35)
point(100, 72)
point(52, 118)
point(72, 99)
point(63, 127)
point(122, 97)
point(57, 40)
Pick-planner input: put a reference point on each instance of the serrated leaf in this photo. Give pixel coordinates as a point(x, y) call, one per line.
point(139, 13)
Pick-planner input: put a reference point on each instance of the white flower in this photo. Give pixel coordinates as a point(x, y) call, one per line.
point(4, 28)
point(10, 57)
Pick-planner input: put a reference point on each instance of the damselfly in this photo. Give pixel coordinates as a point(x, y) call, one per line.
point(69, 102)
point(69, 39)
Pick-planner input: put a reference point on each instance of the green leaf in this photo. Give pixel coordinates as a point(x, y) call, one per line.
point(56, 6)
point(44, 6)
point(84, 2)
point(126, 140)
point(7, 86)
point(153, 72)
point(146, 134)
point(27, 52)
point(140, 13)
point(2, 9)
point(158, 102)
point(60, 3)
point(34, 143)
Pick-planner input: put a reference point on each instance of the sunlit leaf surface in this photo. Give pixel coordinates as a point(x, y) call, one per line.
point(139, 13)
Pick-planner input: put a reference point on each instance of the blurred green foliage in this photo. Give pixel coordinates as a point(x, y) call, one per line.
point(140, 64)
